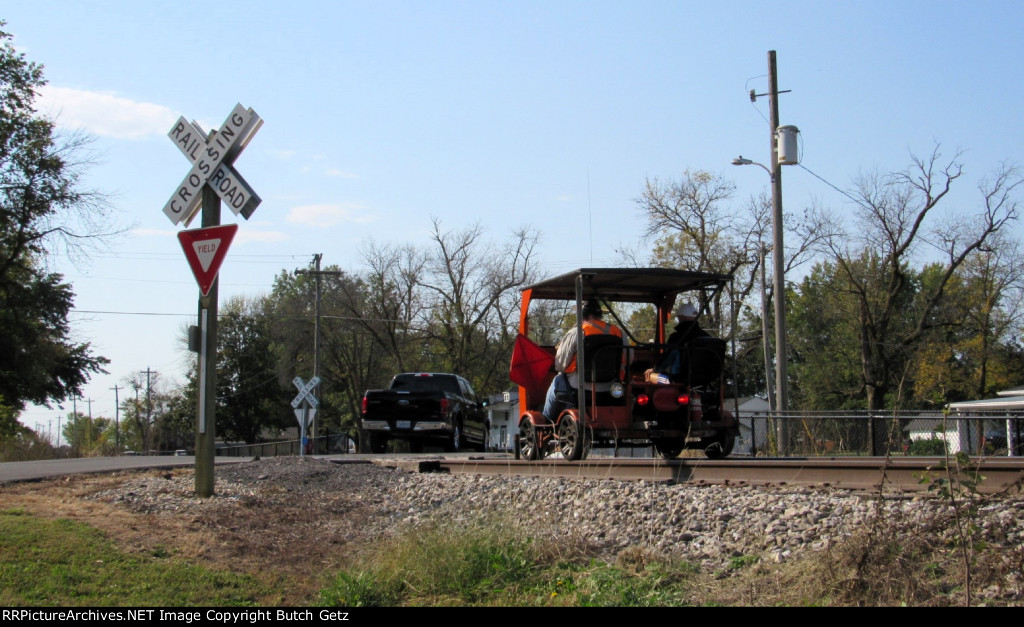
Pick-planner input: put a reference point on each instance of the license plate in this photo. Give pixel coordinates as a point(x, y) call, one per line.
point(403, 424)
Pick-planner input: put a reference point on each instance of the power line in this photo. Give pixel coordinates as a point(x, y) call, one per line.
point(833, 186)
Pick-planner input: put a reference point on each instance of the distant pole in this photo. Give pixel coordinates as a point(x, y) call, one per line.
point(117, 421)
point(89, 425)
point(317, 273)
point(766, 344)
point(74, 426)
point(148, 435)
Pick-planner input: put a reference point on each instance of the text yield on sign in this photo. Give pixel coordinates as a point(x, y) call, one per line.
point(205, 250)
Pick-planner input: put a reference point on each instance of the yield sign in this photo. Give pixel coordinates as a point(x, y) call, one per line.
point(302, 412)
point(205, 250)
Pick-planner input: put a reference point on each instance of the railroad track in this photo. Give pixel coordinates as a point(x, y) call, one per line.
point(908, 474)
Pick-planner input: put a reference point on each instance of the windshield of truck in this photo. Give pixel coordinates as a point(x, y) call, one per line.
point(425, 383)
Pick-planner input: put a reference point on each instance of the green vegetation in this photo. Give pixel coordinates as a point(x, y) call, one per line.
point(53, 563)
point(498, 563)
point(493, 565)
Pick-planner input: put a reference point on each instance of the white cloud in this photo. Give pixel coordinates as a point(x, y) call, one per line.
point(105, 114)
point(340, 173)
point(327, 215)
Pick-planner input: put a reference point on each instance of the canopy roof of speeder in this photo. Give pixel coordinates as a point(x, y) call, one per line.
point(626, 284)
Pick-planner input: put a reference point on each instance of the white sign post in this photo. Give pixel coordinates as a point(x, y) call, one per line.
point(305, 405)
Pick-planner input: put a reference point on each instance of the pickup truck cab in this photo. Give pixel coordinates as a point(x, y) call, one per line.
point(425, 407)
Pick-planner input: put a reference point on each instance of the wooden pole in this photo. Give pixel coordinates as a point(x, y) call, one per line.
point(207, 376)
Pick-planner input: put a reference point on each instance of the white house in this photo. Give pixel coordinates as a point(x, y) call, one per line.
point(753, 419)
point(1003, 427)
point(503, 420)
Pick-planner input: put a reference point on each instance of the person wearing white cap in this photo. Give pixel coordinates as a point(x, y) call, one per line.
point(688, 327)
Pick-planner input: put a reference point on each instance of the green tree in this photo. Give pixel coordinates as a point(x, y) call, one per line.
point(248, 390)
point(359, 345)
point(41, 206)
point(89, 436)
point(174, 422)
point(823, 346)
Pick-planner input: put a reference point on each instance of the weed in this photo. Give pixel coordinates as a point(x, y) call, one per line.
point(742, 561)
point(362, 589)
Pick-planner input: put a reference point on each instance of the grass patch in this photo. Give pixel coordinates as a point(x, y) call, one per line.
point(62, 563)
point(492, 564)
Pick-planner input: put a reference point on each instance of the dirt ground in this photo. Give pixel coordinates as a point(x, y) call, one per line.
point(287, 522)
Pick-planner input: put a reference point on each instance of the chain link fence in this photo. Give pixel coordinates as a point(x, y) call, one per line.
point(799, 434)
point(842, 434)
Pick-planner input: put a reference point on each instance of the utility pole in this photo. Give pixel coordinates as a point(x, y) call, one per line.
point(117, 421)
point(778, 252)
point(74, 426)
point(765, 342)
point(89, 425)
point(317, 273)
point(149, 413)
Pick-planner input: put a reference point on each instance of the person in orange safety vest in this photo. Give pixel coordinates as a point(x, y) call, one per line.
point(567, 380)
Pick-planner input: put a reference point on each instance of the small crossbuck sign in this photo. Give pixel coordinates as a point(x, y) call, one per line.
point(305, 392)
point(205, 250)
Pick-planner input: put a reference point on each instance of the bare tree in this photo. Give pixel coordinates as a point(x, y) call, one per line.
point(994, 274)
point(895, 212)
point(694, 227)
point(471, 288)
point(392, 301)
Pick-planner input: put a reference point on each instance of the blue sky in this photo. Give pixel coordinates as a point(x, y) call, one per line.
point(381, 115)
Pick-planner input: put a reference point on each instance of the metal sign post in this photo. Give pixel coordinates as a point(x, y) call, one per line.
point(305, 405)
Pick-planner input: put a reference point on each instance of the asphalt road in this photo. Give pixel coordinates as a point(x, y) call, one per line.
point(42, 469)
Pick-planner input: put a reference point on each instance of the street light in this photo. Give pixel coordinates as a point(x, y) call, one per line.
point(741, 161)
point(778, 285)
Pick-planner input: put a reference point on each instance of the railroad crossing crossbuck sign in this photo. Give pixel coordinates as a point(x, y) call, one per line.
point(305, 396)
point(305, 392)
point(212, 157)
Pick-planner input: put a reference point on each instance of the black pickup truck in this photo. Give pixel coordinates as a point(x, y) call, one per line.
point(425, 407)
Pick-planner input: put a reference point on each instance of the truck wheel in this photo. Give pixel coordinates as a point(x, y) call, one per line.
point(378, 443)
point(455, 439)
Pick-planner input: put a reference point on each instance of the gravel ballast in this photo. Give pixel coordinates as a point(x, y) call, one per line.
point(707, 525)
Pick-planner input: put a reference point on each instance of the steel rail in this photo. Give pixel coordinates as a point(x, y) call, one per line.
point(910, 474)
